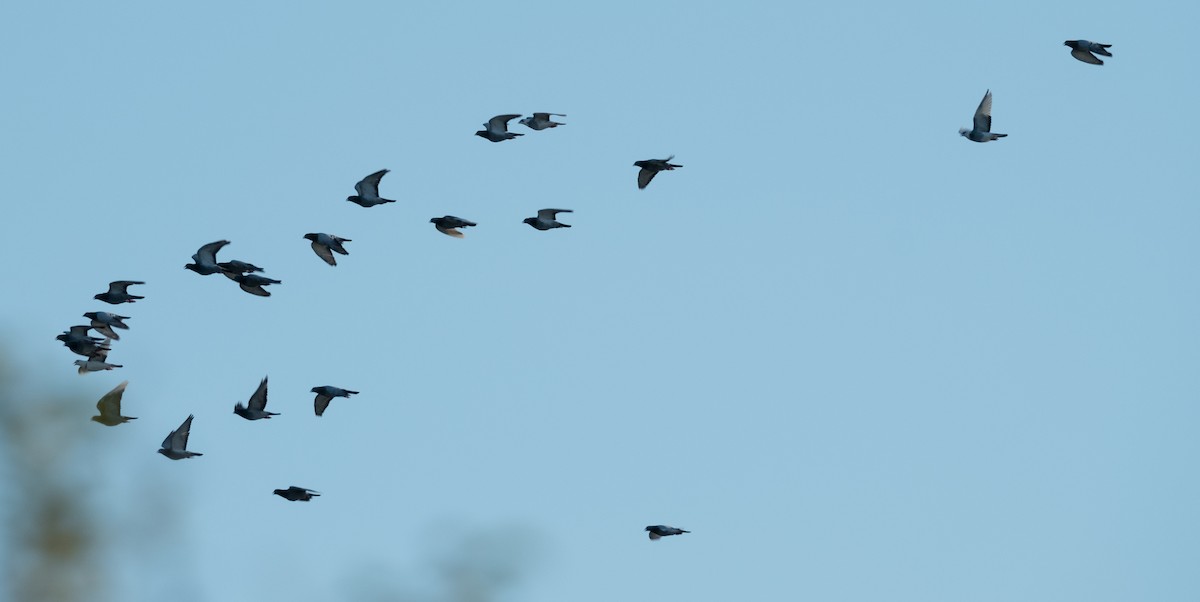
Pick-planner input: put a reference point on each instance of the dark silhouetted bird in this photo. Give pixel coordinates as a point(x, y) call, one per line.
point(661, 531)
point(651, 167)
point(110, 407)
point(541, 121)
point(296, 494)
point(368, 191)
point(1083, 49)
point(175, 445)
point(118, 292)
point(981, 131)
point(545, 219)
point(496, 129)
point(325, 244)
point(253, 284)
point(325, 394)
point(206, 259)
point(257, 406)
point(77, 334)
point(449, 225)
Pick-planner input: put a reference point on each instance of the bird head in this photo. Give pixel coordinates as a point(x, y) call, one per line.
point(963, 131)
point(311, 236)
point(98, 296)
point(529, 220)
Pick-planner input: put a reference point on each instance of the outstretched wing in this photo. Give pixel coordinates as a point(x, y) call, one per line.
point(499, 123)
point(369, 186)
point(983, 115)
point(551, 214)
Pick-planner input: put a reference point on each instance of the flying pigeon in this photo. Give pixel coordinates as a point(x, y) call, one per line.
point(253, 284)
point(206, 259)
point(110, 407)
point(651, 167)
point(104, 323)
point(296, 494)
point(545, 219)
point(449, 225)
point(97, 361)
point(661, 531)
point(982, 130)
point(175, 445)
point(118, 292)
point(258, 404)
point(496, 129)
point(325, 244)
point(325, 394)
point(87, 346)
point(541, 121)
point(1083, 49)
point(77, 334)
point(232, 269)
point(368, 191)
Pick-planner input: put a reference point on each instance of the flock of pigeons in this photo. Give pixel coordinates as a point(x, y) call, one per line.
point(248, 277)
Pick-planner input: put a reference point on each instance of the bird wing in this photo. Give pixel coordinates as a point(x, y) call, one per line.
point(983, 115)
point(207, 255)
point(324, 253)
point(644, 177)
point(369, 186)
point(551, 214)
point(499, 123)
point(546, 116)
point(448, 231)
point(1086, 56)
point(258, 401)
point(110, 405)
point(654, 535)
point(321, 402)
point(254, 289)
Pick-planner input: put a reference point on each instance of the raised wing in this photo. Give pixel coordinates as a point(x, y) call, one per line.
point(983, 115)
point(258, 401)
point(369, 186)
point(551, 214)
point(110, 405)
point(208, 253)
point(499, 124)
point(119, 286)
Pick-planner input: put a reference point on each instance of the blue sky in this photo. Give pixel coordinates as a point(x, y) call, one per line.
point(857, 355)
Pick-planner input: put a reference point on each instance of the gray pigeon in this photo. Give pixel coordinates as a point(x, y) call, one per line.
point(104, 323)
point(118, 292)
point(325, 244)
point(661, 531)
point(651, 167)
point(232, 269)
point(175, 445)
point(545, 219)
point(253, 284)
point(296, 494)
point(368, 191)
point(1083, 49)
point(449, 225)
point(496, 129)
point(325, 394)
point(97, 361)
point(258, 404)
point(77, 334)
point(541, 121)
point(110, 407)
point(85, 348)
point(982, 128)
point(206, 259)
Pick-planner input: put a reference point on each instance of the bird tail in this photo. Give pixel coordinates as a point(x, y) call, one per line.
point(135, 297)
point(352, 392)
point(997, 136)
point(565, 225)
point(1103, 50)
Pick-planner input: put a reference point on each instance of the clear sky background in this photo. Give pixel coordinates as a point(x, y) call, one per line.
point(859, 356)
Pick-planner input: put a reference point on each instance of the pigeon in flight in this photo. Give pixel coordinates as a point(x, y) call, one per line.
point(296, 494)
point(206, 259)
point(253, 284)
point(982, 130)
point(85, 347)
point(118, 292)
point(104, 323)
point(496, 129)
point(110, 407)
point(1083, 49)
point(97, 361)
point(77, 334)
point(545, 219)
point(232, 269)
point(449, 225)
point(325, 394)
point(325, 244)
point(541, 121)
point(368, 191)
point(651, 167)
point(258, 404)
point(175, 445)
point(661, 531)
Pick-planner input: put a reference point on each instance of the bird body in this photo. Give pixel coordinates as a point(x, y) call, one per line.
point(118, 292)
point(542, 121)
point(296, 494)
point(981, 130)
point(546, 219)
point(496, 129)
point(651, 167)
point(110, 407)
point(449, 225)
point(257, 406)
point(1086, 51)
point(175, 445)
point(324, 246)
point(660, 531)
